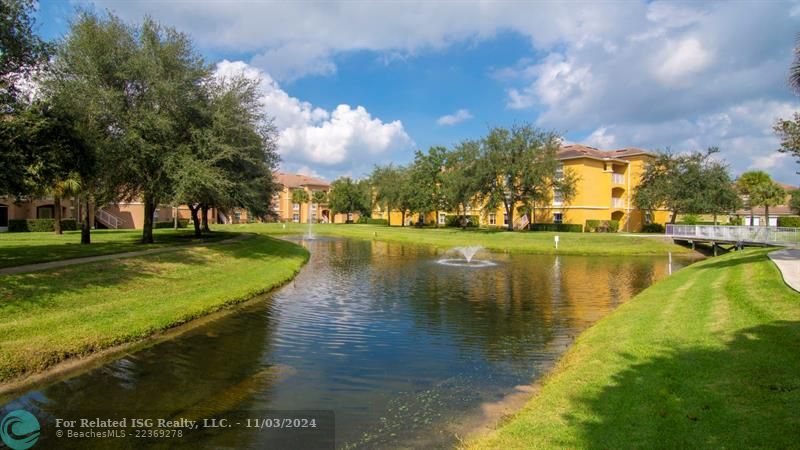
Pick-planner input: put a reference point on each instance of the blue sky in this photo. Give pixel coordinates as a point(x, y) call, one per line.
point(353, 84)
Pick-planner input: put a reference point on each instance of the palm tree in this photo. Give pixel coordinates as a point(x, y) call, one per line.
point(760, 190)
point(794, 70)
point(771, 194)
point(63, 187)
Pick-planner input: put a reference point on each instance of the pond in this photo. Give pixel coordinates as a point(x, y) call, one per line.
point(403, 349)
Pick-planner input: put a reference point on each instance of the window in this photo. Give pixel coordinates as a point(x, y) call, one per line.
point(296, 206)
point(295, 217)
point(237, 215)
point(45, 212)
point(155, 215)
point(442, 218)
point(558, 199)
point(560, 172)
point(492, 219)
point(558, 217)
point(505, 218)
point(648, 218)
point(313, 206)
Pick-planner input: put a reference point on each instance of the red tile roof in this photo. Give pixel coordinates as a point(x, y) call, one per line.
point(295, 180)
point(584, 151)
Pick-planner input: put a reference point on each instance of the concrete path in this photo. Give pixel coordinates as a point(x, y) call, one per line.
point(788, 262)
point(90, 259)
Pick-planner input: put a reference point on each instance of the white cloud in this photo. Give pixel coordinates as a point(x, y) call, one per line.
point(346, 139)
point(680, 60)
point(457, 117)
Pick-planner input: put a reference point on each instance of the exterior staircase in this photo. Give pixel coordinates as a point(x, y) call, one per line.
point(108, 220)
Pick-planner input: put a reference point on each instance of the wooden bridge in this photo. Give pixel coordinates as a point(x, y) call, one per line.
point(736, 236)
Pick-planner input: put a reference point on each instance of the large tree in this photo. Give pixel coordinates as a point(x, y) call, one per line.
point(349, 197)
point(461, 181)
point(425, 177)
point(519, 166)
point(759, 190)
point(22, 52)
point(389, 187)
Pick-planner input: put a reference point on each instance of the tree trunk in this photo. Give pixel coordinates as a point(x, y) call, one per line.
point(57, 214)
point(674, 217)
point(510, 214)
point(766, 215)
point(86, 224)
point(195, 219)
point(149, 210)
point(752, 215)
point(715, 218)
point(403, 218)
point(174, 217)
point(204, 219)
point(463, 216)
point(435, 218)
point(389, 216)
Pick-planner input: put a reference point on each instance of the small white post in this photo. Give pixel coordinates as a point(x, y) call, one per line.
point(669, 269)
point(556, 240)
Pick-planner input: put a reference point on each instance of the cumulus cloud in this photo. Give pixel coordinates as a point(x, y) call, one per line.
point(457, 117)
point(347, 139)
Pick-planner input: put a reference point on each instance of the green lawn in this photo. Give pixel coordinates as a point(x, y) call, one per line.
point(708, 358)
point(49, 316)
point(527, 242)
point(27, 248)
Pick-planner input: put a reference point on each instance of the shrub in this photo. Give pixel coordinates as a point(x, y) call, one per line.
point(455, 221)
point(602, 226)
point(182, 223)
point(371, 221)
point(562, 227)
point(653, 228)
point(736, 221)
point(40, 225)
point(690, 219)
point(789, 221)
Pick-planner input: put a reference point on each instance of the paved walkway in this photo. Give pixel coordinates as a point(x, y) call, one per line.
point(788, 262)
point(90, 259)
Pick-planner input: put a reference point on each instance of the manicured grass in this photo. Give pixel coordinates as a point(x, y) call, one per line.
point(17, 249)
point(708, 358)
point(47, 317)
point(523, 242)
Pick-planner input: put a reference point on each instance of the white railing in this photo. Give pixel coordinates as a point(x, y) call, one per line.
point(744, 234)
point(618, 178)
point(617, 202)
point(108, 219)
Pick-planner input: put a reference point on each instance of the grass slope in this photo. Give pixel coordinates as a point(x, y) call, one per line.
point(707, 358)
point(17, 249)
point(47, 317)
point(523, 242)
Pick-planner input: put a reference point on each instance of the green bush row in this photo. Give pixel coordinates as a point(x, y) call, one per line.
point(371, 221)
point(454, 220)
point(789, 221)
point(602, 226)
point(653, 228)
point(182, 223)
point(562, 227)
point(39, 225)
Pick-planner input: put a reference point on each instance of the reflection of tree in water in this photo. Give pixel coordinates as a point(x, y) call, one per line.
point(513, 312)
point(210, 371)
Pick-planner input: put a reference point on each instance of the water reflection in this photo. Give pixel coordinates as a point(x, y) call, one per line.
point(396, 344)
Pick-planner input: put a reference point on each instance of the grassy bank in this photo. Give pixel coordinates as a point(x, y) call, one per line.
point(707, 358)
point(17, 249)
point(523, 242)
point(47, 317)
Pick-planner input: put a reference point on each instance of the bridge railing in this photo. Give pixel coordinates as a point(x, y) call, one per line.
point(763, 235)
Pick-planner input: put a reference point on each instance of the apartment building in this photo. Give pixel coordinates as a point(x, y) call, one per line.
point(606, 182)
point(286, 210)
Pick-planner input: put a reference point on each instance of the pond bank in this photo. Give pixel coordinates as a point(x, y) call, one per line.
point(705, 359)
point(49, 317)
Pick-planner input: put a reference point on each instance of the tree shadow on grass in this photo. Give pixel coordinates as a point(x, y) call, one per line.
point(746, 395)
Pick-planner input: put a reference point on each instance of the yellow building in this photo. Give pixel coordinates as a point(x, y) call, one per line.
point(606, 182)
point(288, 211)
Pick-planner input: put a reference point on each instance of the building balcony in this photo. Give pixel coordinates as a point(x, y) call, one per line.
point(617, 178)
point(617, 202)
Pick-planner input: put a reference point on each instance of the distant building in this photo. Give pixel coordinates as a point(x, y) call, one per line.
point(286, 210)
point(758, 213)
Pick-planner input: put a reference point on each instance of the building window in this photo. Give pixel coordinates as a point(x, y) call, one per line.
point(442, 218)
point(155, 215)
point(558, 199)
point(648, 218)
point(237, 215)
point(492, 219)
point(560, 172)
point(558, 217)
point(313, 206)
point(296, 206)
point(505, 218)
point(45, 212)
point(295, 217)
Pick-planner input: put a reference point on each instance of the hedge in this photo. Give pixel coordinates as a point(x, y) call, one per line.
point(182, 223)
point(40, 225)
point(789, 221)
point(455, 220)
point(653, 228)
point(602, 226)
point(562, 227)
point(371, 221)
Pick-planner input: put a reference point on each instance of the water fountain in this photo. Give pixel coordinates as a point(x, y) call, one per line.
point(466, 260)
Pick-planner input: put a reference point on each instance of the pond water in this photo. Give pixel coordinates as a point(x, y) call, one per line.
point(401, 348)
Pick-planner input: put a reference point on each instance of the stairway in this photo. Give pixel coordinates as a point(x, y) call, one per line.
point(108, 220)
